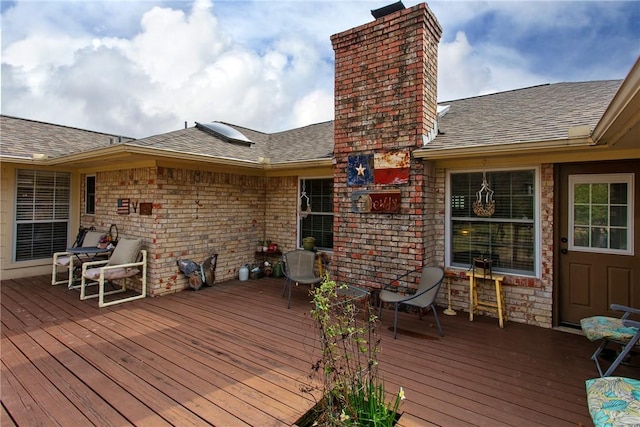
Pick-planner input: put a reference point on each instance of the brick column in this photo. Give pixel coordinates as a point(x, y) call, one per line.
point(385, 100)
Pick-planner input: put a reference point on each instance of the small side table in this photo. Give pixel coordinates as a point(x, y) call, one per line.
point(474, 303)
point(355, 294)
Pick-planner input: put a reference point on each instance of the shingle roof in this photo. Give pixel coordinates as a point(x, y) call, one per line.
point(23, 137)
point(538, 113)
point(305, 143)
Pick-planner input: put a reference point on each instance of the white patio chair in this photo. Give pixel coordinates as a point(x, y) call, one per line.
point(69, 261)
point(128, 260)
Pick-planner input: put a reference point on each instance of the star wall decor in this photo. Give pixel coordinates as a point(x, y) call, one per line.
point(359, 169)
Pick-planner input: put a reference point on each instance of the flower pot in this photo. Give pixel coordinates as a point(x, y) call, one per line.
point(308, 243)
point(277, 269)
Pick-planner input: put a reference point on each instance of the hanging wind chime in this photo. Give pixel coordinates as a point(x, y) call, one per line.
point(484, 204)
point(304, 201)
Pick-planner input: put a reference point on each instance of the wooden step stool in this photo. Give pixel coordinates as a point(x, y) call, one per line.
point(474, 304)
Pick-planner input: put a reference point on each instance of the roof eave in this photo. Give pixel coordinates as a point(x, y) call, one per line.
point(622, 113)
point(158, 153)
point(127, 149)
point(297, 164)
point(528, 147)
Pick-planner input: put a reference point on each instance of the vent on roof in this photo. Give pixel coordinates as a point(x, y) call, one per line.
point(225, 132)
point(387, 10)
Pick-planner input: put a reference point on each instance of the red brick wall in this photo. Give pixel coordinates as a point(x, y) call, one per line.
point(282, 205)
point(385, 90)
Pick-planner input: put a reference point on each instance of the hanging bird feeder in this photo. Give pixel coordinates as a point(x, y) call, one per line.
point(304, 207)
point(484, 204)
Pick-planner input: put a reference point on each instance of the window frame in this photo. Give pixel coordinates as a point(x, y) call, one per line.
point(299, 236)
point(44, 213)
point(87, 195)
point(608, 178)
point(537, 247)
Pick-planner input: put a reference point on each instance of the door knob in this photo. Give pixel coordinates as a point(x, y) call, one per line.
point(563, 251)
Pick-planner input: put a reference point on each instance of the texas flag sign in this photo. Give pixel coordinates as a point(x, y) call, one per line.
point(391, 168)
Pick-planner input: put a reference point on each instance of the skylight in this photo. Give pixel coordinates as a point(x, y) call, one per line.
point(225, 132)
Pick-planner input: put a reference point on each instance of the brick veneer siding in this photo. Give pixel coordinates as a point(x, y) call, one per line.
point(282, 209)
point(529, 300)
point(229, 218)
point(385, 100)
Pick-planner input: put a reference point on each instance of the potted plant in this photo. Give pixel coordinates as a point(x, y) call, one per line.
point(308, 243)
point(354, 394)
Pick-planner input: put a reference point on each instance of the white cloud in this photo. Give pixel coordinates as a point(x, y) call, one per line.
point(144, 67)
point(315, 107)
point(179, 66)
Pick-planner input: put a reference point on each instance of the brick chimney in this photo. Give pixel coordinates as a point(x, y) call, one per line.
point(385, 101)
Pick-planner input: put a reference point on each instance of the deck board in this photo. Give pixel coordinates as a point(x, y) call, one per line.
point(234, 355)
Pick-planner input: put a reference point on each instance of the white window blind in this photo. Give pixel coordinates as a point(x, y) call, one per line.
point(42, 213)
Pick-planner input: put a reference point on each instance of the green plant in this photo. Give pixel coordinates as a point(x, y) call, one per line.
point(354, 393)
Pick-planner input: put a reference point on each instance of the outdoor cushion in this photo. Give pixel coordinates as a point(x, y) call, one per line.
point(598, 327)
point(614, 401)
point(92, 238)
point(126, 252)
point(63, 260)
point(111, 273)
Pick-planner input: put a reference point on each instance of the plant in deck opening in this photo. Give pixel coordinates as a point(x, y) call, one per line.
point(354, 393)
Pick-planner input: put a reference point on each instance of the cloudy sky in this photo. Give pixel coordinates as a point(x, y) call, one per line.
point(139, 68)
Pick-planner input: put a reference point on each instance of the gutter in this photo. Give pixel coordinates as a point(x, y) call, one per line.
point(502, 149)
point(125, 148)
point(120, 150)
point(311, 163)
point(36, 158)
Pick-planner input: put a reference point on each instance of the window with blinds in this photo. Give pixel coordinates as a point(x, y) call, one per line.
point(319, 222)
point(90, 195)
point(42, 213)
point(507, 236)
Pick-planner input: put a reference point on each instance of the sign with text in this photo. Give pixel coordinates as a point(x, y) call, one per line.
point(375, 201)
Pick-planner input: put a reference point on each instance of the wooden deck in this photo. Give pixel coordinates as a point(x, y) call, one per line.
point(233, 355)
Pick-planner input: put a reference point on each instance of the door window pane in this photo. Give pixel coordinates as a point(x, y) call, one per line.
point(601, 213)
